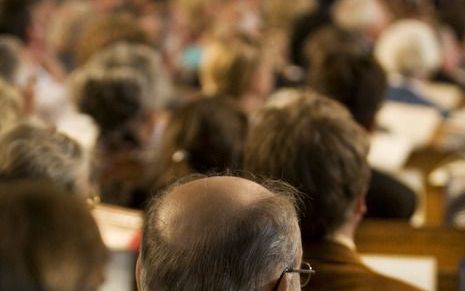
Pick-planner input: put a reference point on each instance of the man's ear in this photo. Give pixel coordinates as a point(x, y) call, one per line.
point(360, 205)
point(139, 273)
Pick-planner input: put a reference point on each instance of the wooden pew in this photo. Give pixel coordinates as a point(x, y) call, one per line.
point(446, 244)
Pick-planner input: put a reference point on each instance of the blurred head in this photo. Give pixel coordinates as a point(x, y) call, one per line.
point(312, 143)
point(228, 67)
point(343, 68)
point(409, 48)
point(368, 17)
point(117, 99)
point(204, 136)
point(220, 233)
point(65, 28)
point(49, 240)
point(104, 30)
point(11, 107)
point(31, 151)
point(147, 62)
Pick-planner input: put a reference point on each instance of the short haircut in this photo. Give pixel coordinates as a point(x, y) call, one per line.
point(228, 65)
point(207, 136)
point(33, 151)
point(342, 67)
point(241, 254)
point(312, 143)
point(11, 106)
point(114, 98)
point(49, 240)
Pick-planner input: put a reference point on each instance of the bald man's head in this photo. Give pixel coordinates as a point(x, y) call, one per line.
point(219, 233)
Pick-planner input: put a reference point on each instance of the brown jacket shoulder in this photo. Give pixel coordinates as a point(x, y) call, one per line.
point(340, 268)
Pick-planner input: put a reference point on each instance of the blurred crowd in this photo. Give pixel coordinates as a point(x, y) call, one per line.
point(114, 100)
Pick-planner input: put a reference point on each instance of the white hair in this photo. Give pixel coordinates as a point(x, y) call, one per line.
point(409, 48)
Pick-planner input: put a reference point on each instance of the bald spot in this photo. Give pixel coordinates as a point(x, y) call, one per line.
point(202, 208)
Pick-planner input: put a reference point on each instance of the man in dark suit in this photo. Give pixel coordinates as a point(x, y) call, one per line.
point(313, 143)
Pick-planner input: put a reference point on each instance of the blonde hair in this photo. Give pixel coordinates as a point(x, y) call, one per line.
point(227, 67)
point(11, 106)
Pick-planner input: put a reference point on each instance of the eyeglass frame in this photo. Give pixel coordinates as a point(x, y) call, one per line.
point(310, 271)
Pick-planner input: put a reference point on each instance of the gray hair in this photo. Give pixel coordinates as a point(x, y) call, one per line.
point(34, 151)
point(146, 61)
point(241, 254)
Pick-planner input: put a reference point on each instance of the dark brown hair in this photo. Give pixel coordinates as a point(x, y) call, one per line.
point(205, 136)
point(342, 67)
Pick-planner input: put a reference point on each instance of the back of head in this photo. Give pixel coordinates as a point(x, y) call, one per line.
point(114, 98)
point(312, 143)
point(210, 133)
point(32, 151)
point(219, 233)
point(409, 48)
point(228, 66)
point(11, 106)
point(343, 68)
point(146, 61)
point(368, 17)
point(49, 240)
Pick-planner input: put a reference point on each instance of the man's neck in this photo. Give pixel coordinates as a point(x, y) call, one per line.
point(345, 235)
point(342, 239)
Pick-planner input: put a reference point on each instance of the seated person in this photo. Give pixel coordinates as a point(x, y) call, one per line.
point(221, 233)
point(125, 90)
point(117, 100)
point(34, 151)
point(342, 68)
point(50, 241)
point(313, 143)
point(204, 136)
